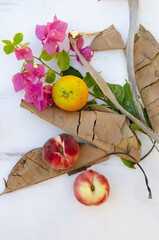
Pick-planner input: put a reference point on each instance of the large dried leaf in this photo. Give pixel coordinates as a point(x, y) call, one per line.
point(31, 168)
point(104, 129)
point(146, 61)
point(108, 39)
point(107, 92)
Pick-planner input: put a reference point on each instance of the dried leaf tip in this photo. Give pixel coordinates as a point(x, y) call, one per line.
point(108, 39)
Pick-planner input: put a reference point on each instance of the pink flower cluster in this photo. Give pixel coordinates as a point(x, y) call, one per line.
point(29, 80)
point(86, 52)
point(51, 34)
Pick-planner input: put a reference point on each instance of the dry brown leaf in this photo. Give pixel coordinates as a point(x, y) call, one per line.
point(108, 39)
point(108, 93)
point(103, 129)
point(146, 61)
point(31, 168)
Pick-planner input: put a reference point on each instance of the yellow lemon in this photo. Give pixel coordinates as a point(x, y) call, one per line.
point(70, 93)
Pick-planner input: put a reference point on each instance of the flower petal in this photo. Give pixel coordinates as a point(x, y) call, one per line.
point(29, 67)
point(40, 105)
point(47, 89)
point(34, 92)
point(59, 25)
point(48, 94)
point(50, 47)
point(18, 82)
point(79, 43)
point(23, 53)
point(56, 35)
point(52, 32)
point(40, 71)
point(40, 32)
point(87, 54)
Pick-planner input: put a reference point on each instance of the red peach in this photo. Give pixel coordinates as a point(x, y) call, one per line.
point(91, 188)
point(61, 152)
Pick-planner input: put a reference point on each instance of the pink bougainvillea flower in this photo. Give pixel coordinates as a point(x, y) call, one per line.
point(79, 43)
point(51, 34)
point(18, 82)
point(34, 91)
point(33, 73)
point(47, 91)
point(47, 98)
point(23, 53)
point(38, 95)
point(40, 105)
point(87, 54)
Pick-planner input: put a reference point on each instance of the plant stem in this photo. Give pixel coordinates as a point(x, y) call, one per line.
point(148, 152)
point(100, 98)
point(146, 179)
point(39, 59)
point(97, 97)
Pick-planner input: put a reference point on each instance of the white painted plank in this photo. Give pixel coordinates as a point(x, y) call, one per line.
point(49, 210)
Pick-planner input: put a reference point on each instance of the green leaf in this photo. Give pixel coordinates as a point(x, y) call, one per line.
point(46, 57)
point(136, 127)
point(128, 163)
point(24, 44)
point(72, 71)
point(118, 91)
point(50, 76)
point(128, 103)
point(63, 60)
point(7, 42)
point(18, 38)
point(140, 143)
point(146, 117)
point(93, 101)
point(104, 105)
point(97, 91)
point(8, 49)
point(89, 80)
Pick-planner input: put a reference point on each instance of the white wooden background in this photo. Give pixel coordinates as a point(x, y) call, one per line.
point(49, 210)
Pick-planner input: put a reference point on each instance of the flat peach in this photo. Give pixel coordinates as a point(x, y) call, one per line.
point(91, 188)
point(61, 152)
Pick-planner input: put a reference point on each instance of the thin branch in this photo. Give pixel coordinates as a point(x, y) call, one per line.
point(148, 152)
point(146, 179)
point(97, 97)
point(133, 10)
point(39, 59)
point(104, 100)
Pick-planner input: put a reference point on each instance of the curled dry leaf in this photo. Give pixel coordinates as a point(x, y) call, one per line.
point(110, 38)
point(146, 62)
point(108, 131)
point(77, 34)
point(32, 169)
